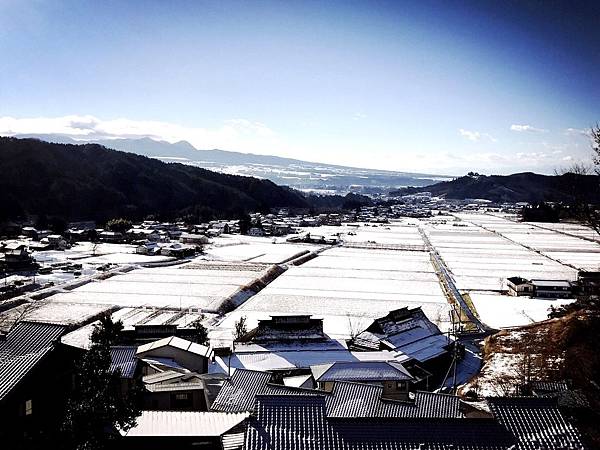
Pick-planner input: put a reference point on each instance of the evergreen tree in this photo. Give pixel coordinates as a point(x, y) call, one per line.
point(201, 331)
point(98, 407)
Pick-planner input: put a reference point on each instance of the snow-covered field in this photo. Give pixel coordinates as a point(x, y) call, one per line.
point(348, 288)
point(482, 260)
point(200, 285)
point(261, 250)
point(137, 316)
point(569, 249)
point(503, 311)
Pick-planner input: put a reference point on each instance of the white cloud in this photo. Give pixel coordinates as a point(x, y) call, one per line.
point(234, 134)
point(529, 128)
point(578, 132)
point(359, 116)
point(476, 135)
point(470, 135)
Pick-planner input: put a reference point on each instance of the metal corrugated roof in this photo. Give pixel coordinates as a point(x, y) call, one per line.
point(25, 345)
point(233, 441)
point(407, 336)
point(123, 358)
point(301, 423)
point(427, 348)
point(362, 371)
point(185, 423)
point(536, 422)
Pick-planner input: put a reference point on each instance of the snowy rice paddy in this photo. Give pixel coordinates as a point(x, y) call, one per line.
point(201, 285)
point(480, 259)
point(348, 288)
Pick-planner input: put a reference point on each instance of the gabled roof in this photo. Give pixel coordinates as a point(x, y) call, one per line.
point(535, 422)
point(175, 342)
point(123, 358)
point(238, 393)
point(391, 322)
point(24, 347)
point(361, 371)
point(365, 400)
point(404, 330)
point(184, 423)
point(302, 423)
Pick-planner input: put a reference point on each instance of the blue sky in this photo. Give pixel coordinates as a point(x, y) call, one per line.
point(440, 87)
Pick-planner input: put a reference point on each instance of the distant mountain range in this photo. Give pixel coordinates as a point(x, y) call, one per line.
point(519, 187)
point(92, 182)
point(303, 175)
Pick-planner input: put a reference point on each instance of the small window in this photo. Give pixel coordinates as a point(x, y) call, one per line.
point(401, 385)
point(28, 407)
point(182, 396)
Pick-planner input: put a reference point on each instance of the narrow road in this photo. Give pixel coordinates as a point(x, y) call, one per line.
point(448, 282)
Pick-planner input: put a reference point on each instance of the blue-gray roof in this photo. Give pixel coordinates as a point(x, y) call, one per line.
point(123, 358)
point(302, 423)
point(25, 345)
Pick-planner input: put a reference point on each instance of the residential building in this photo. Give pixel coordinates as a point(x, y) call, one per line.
point(518, 286)
point(176, 352)
point(552, 288)
point(185, 430)
point(409, 332)
point(391, 375)
point(35, 374)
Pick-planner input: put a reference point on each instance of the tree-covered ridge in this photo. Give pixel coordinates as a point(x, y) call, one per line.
point(519, 187)
point(92, 182)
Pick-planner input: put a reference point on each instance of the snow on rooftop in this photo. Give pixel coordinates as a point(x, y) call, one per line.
point(184, 423)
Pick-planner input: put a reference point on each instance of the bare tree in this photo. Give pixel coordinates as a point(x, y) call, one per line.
point(595, 133)
point(11, 317)
point(240, 328)
point(586, 212)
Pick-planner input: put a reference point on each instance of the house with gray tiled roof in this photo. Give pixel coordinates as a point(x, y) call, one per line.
point(294, 422)
point(536, 422)
point(392, 375)
point(35, 373)
point(345, 399)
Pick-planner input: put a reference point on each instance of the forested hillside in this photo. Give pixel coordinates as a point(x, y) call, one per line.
point(519, 187)
point(92, 182)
